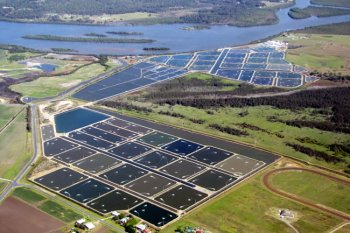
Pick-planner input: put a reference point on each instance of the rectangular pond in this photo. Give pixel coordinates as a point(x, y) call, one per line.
point(77, 118)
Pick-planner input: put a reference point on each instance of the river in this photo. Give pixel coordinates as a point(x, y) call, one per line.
point(166, 35)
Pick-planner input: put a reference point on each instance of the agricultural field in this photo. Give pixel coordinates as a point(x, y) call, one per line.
point(12, 209)
point(46, 205)
point(329, 192)
point(320, 52)
point(16, 145)
point(51, 86)
point(261, 126)
point(247, 208)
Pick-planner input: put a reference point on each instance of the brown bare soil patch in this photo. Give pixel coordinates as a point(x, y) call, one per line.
point(18, 217)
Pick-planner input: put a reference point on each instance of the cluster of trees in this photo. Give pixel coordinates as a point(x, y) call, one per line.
point(322, 125)
point(92, 34)
point(332, 76)
point(173, 114)
point(228, 130)
point(124, 105)
point(253, 127)
point(231, 11)
point(316, 154)
point(16, 48)
point(120, 33)
point(211, 11)
point(340, 148)
point(29, 119)
point(185, 88)
point(334, 98)
point(156, 48)
point(16, 57)
point(85, 39)
point(302, 13)
point(35, 9)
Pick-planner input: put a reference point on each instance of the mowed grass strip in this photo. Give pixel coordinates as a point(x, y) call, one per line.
point(51, 86)
point(2, 186)
point(245, 208)
point(16, 147)
point(313, 187)
point(58, 211)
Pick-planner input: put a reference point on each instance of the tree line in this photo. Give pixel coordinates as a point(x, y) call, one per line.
point(334, 98)
point(210, 11)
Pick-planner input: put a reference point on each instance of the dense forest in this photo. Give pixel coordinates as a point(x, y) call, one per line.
point(201, 11)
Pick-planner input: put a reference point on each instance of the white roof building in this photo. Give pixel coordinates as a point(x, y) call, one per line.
point(80, 221)
point(115, 214)
point(89, 226)
point(141, 227)
point(124, 220)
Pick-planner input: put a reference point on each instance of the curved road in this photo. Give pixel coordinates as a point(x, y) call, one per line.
point(266, 182)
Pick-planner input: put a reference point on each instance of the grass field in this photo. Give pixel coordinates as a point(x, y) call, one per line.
point(58, 211)
point(320, 52)
point(12, 68)
point(16, 146)
point(2, 186)
point(28, 195)
point(244, 209)
point(7, 112)
point(273, 135)
point(41, 202)
point(108, 18)
point(345, 229)
point(51, 86)
point(318, 189)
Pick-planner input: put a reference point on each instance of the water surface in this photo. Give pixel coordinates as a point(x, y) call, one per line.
point(166, 35)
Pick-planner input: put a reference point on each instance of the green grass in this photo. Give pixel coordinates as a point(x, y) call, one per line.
point(320, 52)
point(257, 116)
point(41, 202)
point(318, 189)
point(344, 229)
point(28, 195)
point(58, 211)
point(51, 86)
point(13, 68)
point(106, 18)
point(244, 209)
point(314, 62)
point(2, 186)
point(16, 147)
point(7, 112)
